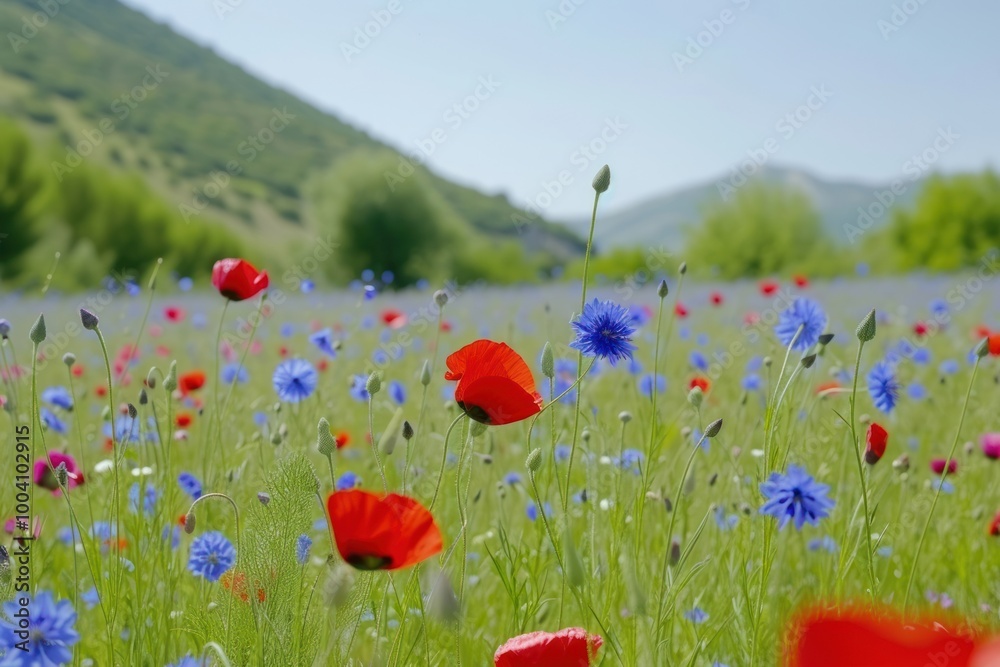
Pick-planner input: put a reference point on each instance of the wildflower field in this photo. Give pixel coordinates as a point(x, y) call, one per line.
point(658, 474)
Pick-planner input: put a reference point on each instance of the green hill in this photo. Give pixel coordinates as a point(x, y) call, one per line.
point(96, 77)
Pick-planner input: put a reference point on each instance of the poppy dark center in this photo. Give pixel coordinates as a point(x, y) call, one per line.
point(369, 561)
point(475, 412)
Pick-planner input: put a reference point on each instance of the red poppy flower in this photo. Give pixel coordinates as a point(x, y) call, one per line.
point(322, 365)
point(823, 388)
point(445, 326)
point(183, 420)
point(572, 647)
point(875, 443)
point(393, 318)
point(768, 287)
point(100, 391)
point(192, 381)
point(237, 279)
point(920, 329)
point(680, 311)
point(994, 343)
point(937, 466)
point(381, 532)
point(716, 298)
point(495, 385)
point(343, 439)
point(45, 475)
point(994, 528)
point(77, 370)
point(701, 382)
point(283, 351)
point(869, 639)
point(800, 280)
point(174, 314)
point(981, 332)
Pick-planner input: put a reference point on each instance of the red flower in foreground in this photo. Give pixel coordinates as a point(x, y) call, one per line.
point(716, 298)
point(192, 381)
point(994, 343)
point(768, 287)
point(237, 279)
point(571, 647)
point(865, 639)
point(937, 466)
point(876, 441)
point(394, 319)
point(495, 385)
point(701, 382)
point(381, 533)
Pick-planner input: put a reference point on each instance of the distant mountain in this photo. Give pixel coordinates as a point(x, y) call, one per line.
point(97, 76)
point(664, 220)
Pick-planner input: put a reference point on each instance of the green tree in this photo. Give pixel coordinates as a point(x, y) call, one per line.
point(22, 187)
point(386, 222)
point(763, 230)
point(955, 222)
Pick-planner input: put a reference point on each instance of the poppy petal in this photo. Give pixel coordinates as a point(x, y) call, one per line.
point(496, 400)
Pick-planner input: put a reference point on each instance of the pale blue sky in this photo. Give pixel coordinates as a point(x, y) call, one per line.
point(559, 83)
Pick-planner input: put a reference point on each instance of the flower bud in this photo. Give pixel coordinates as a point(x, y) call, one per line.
point(132, 412)
point(407, 430)
point(69, 359)
point(143, 397)
point(189, 522)
point(675, 552)
point(263, 497)
point(37, 333)
point(602, 181)
point(696, 396)
point(374, 384)
point(4, 329)
point(713, 429)
point(425, 373)
point(901, 464)
point(662, 290)
point(683, 268)
point(62, 474)
point(534, 461)
point(151, 377)
point(170, 382)
point(866, 330)
point(983, 348)
point(548, 362)
point(825, 339)
point(89, 320)
point(441, 298)
point(325, 442)
point(477, 429)
point(808, 360)
point(624, 416)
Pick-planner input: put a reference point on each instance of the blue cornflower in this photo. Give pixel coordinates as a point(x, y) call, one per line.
point(127, 429)
point(631, 459)
point(50, 629)
point(562, 453)
point(916, 391)
point(754, 364)
point(359, 391)
point(948, 367)
point(307, 286)
point(795, 496)
point(367, 275)
point(148, 501)
point(921, 356)
point(173, 534)
point(532, 510)
point(323, 340)
point(696, 615)
point(185, 284)
point(701, 339)
point(634, 367)
point(751, 382)
point(939, 306)
point(260, 419)
point(826, 543)
point(91, 598)
point(370, 292)
point(234, 373)
point(639, 315)
point(295, 380)
point(302, 547)
point(646, 384)
point(211, 555)
point(51, 422)
point(287, 330)
point(698, 360)
point(725, 521)
point(604, 330)
point(883, 386)
point(102, 530)
point(58, 397)
point(512, 478)
point(346, 481)
point(397, 392)
point(190, 485)
point(805, 314)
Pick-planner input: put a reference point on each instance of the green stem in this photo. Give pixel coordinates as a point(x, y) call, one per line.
point(444, 459)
